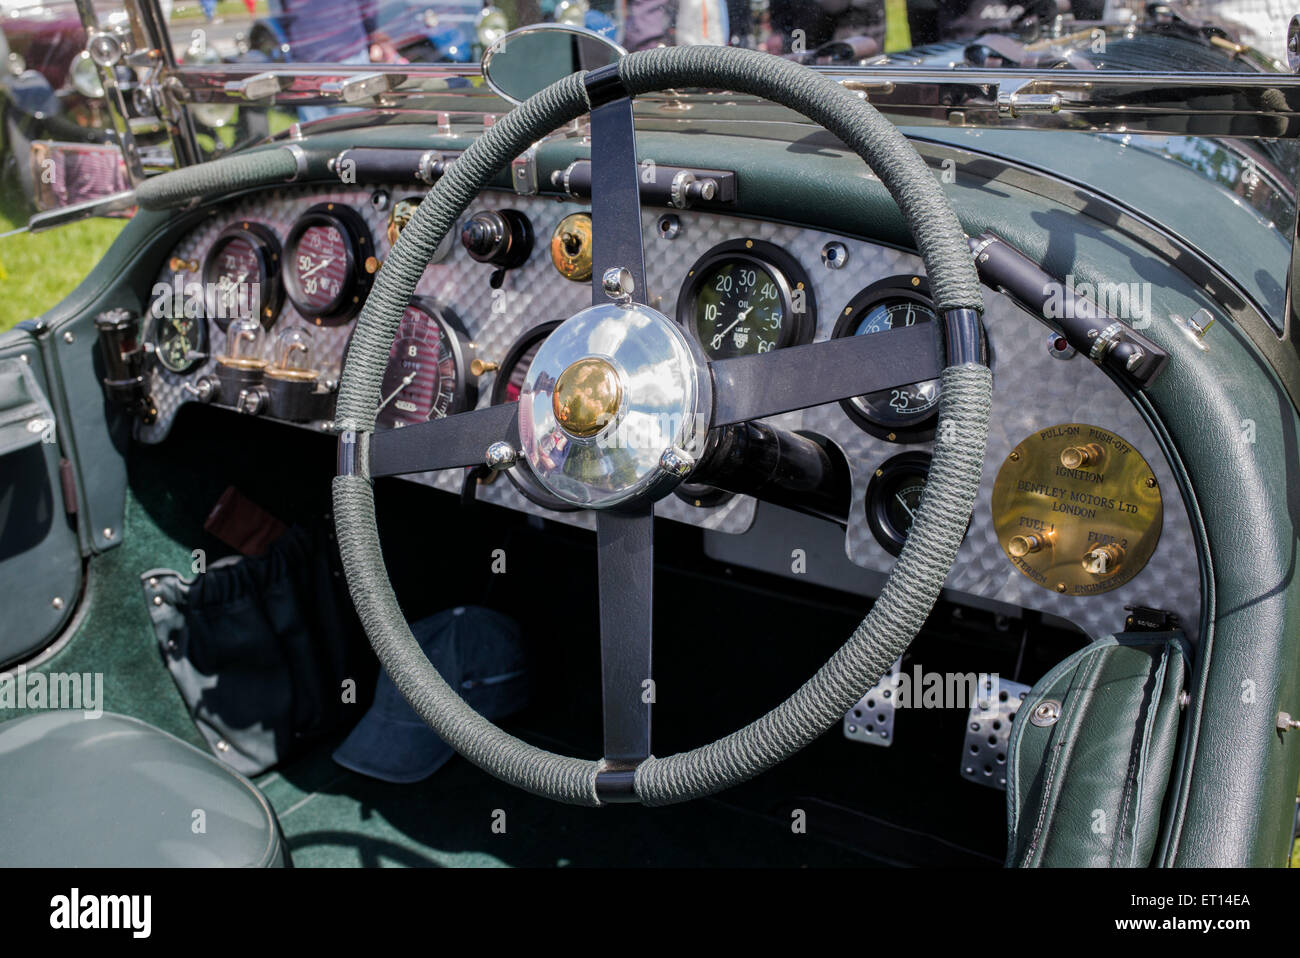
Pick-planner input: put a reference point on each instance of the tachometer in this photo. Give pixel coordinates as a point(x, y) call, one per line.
point(904, 413)
point(427, 368)
point(242, 270)
point(325, 264)
point(747, 297)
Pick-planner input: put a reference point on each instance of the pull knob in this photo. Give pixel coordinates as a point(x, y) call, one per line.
point(1103, 560)
point(503, 238)
point(1020, 546)
point(1082, 457)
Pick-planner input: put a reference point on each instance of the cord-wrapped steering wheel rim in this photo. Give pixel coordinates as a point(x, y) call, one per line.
point(936, 534)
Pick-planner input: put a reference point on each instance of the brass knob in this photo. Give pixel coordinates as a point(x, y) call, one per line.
point(587, 397)
point(480, 366)
point(1021, 546)
point(1082, 457)
point(1103, 560)
point(571, 247)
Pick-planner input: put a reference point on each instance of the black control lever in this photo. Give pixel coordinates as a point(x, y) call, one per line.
point(1086, 326)
point(778, 466)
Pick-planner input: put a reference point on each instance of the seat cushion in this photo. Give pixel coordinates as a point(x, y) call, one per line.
point(115, 791)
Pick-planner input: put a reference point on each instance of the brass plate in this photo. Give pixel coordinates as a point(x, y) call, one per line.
point(571, 247)
point(1077, 531)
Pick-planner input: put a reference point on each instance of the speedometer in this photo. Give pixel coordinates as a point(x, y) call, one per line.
point(426, 376)
point(746, 297)
point(904, 413)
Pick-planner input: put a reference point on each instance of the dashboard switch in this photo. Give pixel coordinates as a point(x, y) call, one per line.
point(503, 238)
point(1020, 546)
point(1082, 457)
point(1103, 560)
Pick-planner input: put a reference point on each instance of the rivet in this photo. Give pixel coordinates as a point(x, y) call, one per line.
point(108, 534)
point(57, 602)
point(1046, 713)
point(69, 338)
point(157, 600)
point(223, 746)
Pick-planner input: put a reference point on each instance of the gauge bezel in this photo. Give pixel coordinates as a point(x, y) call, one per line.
point(465, 395)
point(266, 247)
point(358, 245)
point(521, 476)
point(784, 269)
point(205, 346)
point(515, 353)
point(904, 286)
point(884, 479)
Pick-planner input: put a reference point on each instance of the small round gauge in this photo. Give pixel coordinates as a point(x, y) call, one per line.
point(180, 342)
point(510, 375)
point(746, 297)
point(902, 413)
point(426, 376)
point(893, 496)
point(505, 389)
point(326, 258)
point(243, 271)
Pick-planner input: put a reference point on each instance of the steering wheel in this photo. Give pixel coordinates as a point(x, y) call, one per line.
point(617, 406)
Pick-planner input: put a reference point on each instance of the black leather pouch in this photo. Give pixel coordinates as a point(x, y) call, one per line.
point(1090, 755)
point(260, 648)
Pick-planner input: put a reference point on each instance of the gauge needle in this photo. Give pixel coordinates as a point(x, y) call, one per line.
point(410, 378)
point(317, 268)
point(739, 319)
point(903, 502)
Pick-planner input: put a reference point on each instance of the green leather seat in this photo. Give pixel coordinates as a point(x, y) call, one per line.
point(115, 791)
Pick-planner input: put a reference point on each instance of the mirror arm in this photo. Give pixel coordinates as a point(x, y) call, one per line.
point(100, 206)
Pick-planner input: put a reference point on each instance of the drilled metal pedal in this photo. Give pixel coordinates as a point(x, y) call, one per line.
point(871, 721)
point(988, 730)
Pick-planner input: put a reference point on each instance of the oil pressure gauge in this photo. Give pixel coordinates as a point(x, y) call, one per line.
point(747, 297)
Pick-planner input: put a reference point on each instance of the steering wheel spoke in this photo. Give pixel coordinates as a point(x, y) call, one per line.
point(753, 387)
point(625, 552)
point(460, 440)
point(615, 196)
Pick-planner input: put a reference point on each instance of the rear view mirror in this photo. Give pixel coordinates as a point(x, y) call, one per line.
point(530, 59)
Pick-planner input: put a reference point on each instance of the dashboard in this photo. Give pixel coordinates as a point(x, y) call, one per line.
point(1078, 515)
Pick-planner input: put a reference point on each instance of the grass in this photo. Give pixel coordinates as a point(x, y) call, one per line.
point(225, 8)
point(38, 270)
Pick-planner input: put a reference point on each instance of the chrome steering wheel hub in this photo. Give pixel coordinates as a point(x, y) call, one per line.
point(615, 407)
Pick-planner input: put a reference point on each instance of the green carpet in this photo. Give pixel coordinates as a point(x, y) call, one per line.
point(115, 635)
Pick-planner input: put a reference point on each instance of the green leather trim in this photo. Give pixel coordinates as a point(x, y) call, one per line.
point(93, 435)
point(148, 791)
point(37, 572)
point(1088, 789)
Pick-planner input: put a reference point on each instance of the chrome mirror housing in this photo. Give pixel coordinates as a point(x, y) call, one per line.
point(531, 58)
